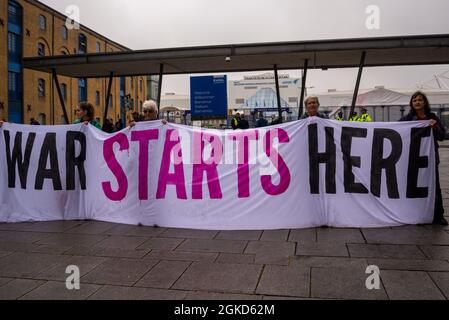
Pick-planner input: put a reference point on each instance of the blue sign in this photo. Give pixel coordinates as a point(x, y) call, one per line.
point(208, 96)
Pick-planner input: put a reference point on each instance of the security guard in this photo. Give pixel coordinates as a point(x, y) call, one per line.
point(365, 116)
point(340, 117)
point(354, 117)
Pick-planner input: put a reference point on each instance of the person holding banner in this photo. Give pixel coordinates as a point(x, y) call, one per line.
point(420, 110)
point(85, 113)
point(312, 104)
point(149, 113)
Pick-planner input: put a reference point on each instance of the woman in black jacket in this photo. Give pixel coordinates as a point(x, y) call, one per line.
point(420, 110)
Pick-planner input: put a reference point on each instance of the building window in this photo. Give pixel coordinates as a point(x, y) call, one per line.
point(82, 89)
point(82, 43)
point(98, 47)
point(132, 82)
point(14, 48)
point(110, 50)
point(41, 88)
point(14, 15)
point(64, 32)
point(42, 22)
point(97, 98)
point(141, 85)
point(41, 49)
point(64, 91)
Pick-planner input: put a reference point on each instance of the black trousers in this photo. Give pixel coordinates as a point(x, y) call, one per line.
point(439, 209)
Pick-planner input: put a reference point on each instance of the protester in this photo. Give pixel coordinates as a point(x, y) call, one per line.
point(85, 113)
point(150, 113)
point(108, 126)
point(118, 125)
point(243, 123)
point(312, 105)
point(261, 122)
point(420, 110)
point(34, 122)
point(235, 121)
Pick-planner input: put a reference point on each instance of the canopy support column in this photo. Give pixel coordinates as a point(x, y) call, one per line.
point(159, 88)
point(278, 93)
point(108, 98)
point(357, 84)
point(303, 89)
point(61, 98)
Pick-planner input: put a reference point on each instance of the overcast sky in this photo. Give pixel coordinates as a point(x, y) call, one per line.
point(148, 24)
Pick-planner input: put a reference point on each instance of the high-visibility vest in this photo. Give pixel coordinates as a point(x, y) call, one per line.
point(365, 117)
point(354, 118)
point(339, 118)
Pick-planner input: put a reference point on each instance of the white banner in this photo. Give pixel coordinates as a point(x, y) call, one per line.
point(306, 173)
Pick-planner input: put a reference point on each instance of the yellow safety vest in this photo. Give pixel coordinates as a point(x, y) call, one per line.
point(354, 118)
point(365, 117)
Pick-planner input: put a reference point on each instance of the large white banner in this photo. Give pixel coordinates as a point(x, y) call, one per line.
point(307, 173)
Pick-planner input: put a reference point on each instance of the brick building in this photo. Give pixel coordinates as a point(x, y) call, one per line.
point(30, 28)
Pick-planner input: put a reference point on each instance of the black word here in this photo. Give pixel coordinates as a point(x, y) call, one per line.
point(18, 160)
point(379, 163)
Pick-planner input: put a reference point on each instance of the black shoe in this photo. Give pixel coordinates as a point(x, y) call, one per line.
point(441, 221)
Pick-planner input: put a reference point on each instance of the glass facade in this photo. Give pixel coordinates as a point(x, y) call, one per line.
point(15, 75)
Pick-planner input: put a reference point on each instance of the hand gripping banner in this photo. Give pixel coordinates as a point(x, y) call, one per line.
point(306, 173)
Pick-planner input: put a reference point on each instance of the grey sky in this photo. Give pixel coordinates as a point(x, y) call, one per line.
point(147, 24)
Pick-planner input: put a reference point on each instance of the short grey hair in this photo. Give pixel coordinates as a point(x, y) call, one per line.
point(150, 104)
point(311, 97)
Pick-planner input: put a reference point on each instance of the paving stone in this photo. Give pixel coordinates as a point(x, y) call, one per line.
point(181, 256)
point(412, 265)
point(385, 251)
point(122, 253)
point(410, 285)
point(339, 235)
point(303, 235)
point(53, 290)
point(212, 245)
point(116, 271)
point(5, 253)
point(343, 283)
point(58, 272)
point(328, 262)
point(219, 277)
point(43, 226)
point(442, 281)
point(16, 246)
point(201, 295)
point(283, 298)
point(121, 242)
point(406, 235)
point(268, 252)
point(285, 281)
point(5, 281)
point(327, 249)
point(92, 227)
point(50, 249)
point(133, 293)
point(27, 265)
point(66, 239)
point(83, 251)
point(144, 231)
point(239, 235)
point(436, 252)
point(274, 235)
point(189, 233)
point(20, 236)
point(163, 275)
point(235, 258)
point(161, 243)
point(18, 287)
point(119, 230)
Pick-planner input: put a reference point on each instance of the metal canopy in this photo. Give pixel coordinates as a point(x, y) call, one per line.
point(344, 53)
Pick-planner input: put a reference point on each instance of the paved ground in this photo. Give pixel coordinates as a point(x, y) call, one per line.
point(132, 262)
